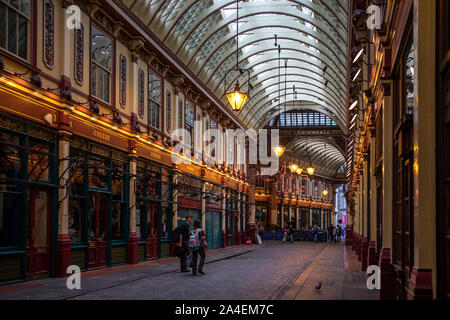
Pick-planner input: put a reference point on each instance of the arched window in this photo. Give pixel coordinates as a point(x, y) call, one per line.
point(169, 111)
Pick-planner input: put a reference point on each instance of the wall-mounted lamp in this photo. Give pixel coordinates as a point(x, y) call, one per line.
point(94, 108)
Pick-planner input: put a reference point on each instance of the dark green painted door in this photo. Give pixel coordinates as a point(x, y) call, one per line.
point(214, 229)
point(183, 213)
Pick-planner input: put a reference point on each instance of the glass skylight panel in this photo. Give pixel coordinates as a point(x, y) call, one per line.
point(170, 9)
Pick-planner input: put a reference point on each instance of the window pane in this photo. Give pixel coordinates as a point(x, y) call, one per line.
point(93, 80)
point(117, 221)
point(101, 48)
point(14, 3)
point(40, 216)
point(25, 7)
point(75, 213)
point(106, 86)
point(22, 37)
point(154, 86)
point(165, 223)
point(10, 219)
point(100, 83)
point(3, 30)
point(12, 31)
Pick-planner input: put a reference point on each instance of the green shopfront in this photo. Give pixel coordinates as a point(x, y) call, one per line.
point(28, 199)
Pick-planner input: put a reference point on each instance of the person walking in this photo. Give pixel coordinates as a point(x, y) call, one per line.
point(182, 233)
point(338, 234)
point(285, 234)
point(316, 234)
point(291, 232)
point(330, 232)
point(197, 244)
point(260, 232)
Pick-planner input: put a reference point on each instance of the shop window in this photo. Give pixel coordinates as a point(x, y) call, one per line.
point(10, 203)
point(14, 24)
point(10, 222)
point(154, 100)
point(98, 175)
point(38, 161)
point(165, 223)
point(118, 201)
point(101, 64)
point(40, 224)
point(148, 194)
point(75, 220)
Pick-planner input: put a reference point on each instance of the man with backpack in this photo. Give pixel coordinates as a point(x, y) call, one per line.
point(197, 245)
point(181, 236)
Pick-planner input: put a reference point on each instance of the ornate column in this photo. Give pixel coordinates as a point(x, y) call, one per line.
point(224, 206)
point(251, 226)
point(238, 236)
point(365, 195)
point(175, 198)
point(132, 238)
point(310, 216)
point(63, 250)
point(203, 206)
point(274, 207)
point(385, 263)
point(282, 213)
point(372, 256)
point(423, 276)
point(297, 216)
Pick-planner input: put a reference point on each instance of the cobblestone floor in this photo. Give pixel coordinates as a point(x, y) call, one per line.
point(271, 271)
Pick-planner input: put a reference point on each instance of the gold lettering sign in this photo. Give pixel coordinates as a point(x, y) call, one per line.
point(102, 136)
point(155, 155)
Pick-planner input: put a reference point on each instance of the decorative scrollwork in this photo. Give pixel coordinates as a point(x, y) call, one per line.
point(79, 55)
point(141, 93)
point(49, 34)
point(123, 81)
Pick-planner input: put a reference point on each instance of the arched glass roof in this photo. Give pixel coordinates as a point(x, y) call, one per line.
point(325, 154)
point(301, 118)
point(312, 35)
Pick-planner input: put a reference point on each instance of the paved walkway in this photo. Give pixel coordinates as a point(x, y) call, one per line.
point(271, 271)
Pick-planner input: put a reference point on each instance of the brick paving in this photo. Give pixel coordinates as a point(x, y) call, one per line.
point(271, 271)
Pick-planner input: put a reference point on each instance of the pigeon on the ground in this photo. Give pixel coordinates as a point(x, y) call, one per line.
point(319, 286)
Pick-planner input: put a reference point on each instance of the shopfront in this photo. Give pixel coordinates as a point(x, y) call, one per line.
point(262, 215)
point(316, 218)
point(304, 218)
point(28, 199)
point(213, 223)
point(153, 222)
point(99, 204)
point(189, 192)
point(232, 217)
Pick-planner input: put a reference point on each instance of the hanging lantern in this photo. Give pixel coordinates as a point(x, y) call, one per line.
point(279, 151)
point(237, 98)
point(293, 168)
point(311, 170)
point(325, 192)
point(299, 171)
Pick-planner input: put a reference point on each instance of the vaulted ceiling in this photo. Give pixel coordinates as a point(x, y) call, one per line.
point(312, 34)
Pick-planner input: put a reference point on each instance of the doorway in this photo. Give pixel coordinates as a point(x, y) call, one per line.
point(39, 232)
point(98, 230)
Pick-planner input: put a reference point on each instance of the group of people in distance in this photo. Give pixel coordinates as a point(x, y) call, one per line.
point(190, 243)
point(334, 233)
